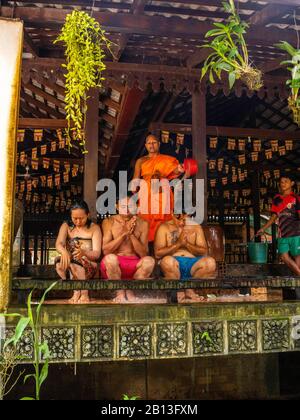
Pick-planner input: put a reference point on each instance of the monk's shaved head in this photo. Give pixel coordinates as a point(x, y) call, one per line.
point(151, 137)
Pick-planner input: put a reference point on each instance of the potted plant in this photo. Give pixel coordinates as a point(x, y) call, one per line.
point(294, 83)
point(230, 53)
point(84, 41)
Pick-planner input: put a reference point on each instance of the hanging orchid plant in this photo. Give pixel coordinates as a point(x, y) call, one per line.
point(84, 41)
point(294, 83)
point(230, 53)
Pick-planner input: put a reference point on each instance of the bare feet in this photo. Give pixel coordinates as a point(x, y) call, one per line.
point(130, 296)
point(120, 297)
point(75, 298)
point(84, 298)
point(189, 296)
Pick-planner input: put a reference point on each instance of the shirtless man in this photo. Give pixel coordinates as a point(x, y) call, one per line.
point(125, 246)
point(181, 247)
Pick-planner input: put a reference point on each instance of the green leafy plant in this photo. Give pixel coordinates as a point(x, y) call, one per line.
point(126, 397)
point(41, 350)
point(294, 83)
point(84, 41)
point(230, 53)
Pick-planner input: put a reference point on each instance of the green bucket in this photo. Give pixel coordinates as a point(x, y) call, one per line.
point(258, 252)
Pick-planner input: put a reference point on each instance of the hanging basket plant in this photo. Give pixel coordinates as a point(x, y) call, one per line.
point(230, 53)
point(84, 41)
point(294, 83)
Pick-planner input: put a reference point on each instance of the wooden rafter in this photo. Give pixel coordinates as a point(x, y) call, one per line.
point(50, 123)
point(137, 8)
point(132, 100)
point(49, 98)
point(32, 48)
point(269, 12)
point(230, 131)
point(41, 105)
point(128, 23)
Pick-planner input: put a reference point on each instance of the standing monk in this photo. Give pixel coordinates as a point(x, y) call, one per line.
point(156, 166)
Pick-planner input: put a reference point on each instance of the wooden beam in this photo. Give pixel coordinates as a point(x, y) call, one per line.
point(293, 3)
point(199, 139)
point(32, 112)
point(108, 118)
point(31, 46)
point(163, 105)
point(216, 3)
point(41, 105)
point(130, 107)
point(91, 158)
point(42, 123)
point(271, 65)
point(49, 98)
point(255, 196)
point(149, 25)
point(198, 57)
point(268, 13)
point(138, 6)
point(135, 68)
point(111, 103)
point(85, 3)
point(230, 131)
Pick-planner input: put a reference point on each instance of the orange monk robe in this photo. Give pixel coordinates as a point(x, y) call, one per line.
point(164, 166)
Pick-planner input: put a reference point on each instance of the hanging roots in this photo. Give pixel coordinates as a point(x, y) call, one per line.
point(252, 78)
point(295, 110)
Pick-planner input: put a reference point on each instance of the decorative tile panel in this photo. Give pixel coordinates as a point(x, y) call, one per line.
point(25, 345)
point(275, 334)
point(135, 341)
point(295, 332)
point(208, 337)
point(97, 342)
point(171, 340)
point(61, 342)
point(242, 336)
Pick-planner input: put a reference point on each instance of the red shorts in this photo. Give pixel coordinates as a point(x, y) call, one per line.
point(127, 266)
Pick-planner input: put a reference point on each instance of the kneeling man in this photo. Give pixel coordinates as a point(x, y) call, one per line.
point(181, 246)
point(125, 246)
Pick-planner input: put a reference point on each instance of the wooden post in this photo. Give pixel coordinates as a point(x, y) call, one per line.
point(91, 158)
point(11, 44)
point(274, 244)
point(255, 200)
point(199, 138)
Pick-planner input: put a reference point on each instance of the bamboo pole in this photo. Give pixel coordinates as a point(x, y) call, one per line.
point(11, 43)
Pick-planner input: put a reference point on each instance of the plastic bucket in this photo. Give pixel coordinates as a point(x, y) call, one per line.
point(258, 252)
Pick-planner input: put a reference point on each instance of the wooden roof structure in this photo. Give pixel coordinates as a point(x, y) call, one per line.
point(154, 71)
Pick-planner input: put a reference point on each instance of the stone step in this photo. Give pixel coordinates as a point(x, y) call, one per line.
point(251, 270)
point(232, 270)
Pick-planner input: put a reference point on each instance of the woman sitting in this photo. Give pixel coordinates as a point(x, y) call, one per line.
point(79, 244)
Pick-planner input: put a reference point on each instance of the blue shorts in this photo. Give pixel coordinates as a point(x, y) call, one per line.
point(186, 264)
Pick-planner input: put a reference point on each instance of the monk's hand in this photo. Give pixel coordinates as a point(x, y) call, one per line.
point(156, 175)
point(180, 169)
point(65, 259)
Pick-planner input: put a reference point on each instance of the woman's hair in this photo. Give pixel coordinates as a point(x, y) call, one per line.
point(79, 204)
